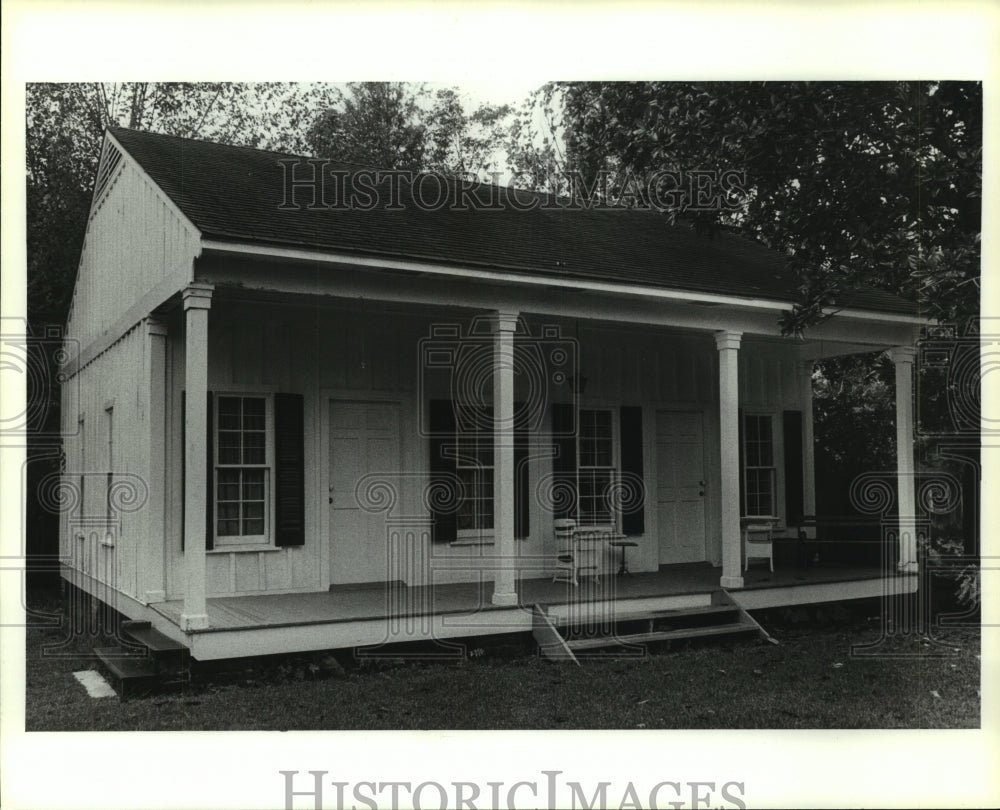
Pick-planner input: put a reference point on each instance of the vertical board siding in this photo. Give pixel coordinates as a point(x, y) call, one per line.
point(258, 348)
point(316, 352)
point(114, 378)
point(134, 241)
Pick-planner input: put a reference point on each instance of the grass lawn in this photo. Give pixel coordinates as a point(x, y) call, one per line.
point(809, 681)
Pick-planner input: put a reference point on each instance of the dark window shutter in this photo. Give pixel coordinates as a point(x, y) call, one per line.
point(792, 426)
point(289, 470)
point(739, 441)
point(633, 514)
point(183, 460)
point(209, 478)
point(441, 421)
point(564, 461)
point(522, 493)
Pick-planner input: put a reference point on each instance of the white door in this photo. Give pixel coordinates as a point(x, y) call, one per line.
point(680, 486)
point(364, 438)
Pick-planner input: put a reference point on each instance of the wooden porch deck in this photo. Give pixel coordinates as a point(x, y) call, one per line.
point(383, 601)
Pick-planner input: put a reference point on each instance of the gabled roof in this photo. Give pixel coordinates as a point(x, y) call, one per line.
point(234, 193)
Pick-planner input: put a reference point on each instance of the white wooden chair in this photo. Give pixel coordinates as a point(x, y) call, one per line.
point(758, 541)
point(577, 552)
point(565, 551)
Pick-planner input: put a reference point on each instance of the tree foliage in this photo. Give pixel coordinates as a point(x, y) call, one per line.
point(874, 183)
point(397, 125)
point(65, 125)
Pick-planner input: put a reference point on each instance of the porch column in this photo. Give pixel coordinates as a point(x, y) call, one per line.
point(902, 358)
point(152, 567)
point(728, 344)
point(504, 583)
point(808, 441)
point(197, 301)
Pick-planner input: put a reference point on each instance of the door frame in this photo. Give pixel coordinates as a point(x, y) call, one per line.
point(322, 492)
point(707, 437)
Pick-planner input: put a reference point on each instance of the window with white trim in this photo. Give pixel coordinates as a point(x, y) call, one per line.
point(596, 468)
point(759, 472)
point(243, 439)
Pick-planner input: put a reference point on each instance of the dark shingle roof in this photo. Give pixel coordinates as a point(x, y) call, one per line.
point(235, 193)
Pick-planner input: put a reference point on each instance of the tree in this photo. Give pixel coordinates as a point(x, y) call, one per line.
point(876, 183)
point(65, 124)
point(464, 143)
point(397, 125)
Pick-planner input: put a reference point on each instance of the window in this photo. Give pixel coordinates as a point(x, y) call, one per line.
point(758, 466)
point(474, 467)
point(461, 446)
point(596, 470)
point(242, 469)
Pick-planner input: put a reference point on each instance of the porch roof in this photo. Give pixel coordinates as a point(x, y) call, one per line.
point(234, 193)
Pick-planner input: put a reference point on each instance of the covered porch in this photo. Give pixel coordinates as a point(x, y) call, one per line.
point(728, 370)
point(374, 616)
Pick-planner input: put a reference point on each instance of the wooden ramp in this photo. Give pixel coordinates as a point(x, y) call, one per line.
point(614, 626)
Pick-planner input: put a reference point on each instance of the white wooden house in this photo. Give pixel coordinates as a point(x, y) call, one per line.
point(275, 405)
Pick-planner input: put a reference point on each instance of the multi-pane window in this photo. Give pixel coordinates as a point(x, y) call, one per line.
point(474, 467)
point(596, 470)
point(242, 470)
point(758, 465)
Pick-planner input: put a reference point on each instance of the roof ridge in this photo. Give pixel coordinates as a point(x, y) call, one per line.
point(145, 133)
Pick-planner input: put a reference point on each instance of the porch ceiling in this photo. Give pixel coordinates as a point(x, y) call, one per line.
point(302, 281)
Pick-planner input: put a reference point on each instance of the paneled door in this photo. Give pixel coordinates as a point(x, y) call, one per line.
point(680, 486)
point(364, 438)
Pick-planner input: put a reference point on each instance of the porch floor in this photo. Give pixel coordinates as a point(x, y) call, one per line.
point(381, 601)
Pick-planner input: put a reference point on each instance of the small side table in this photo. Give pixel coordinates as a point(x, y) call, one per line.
point(624, 544)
